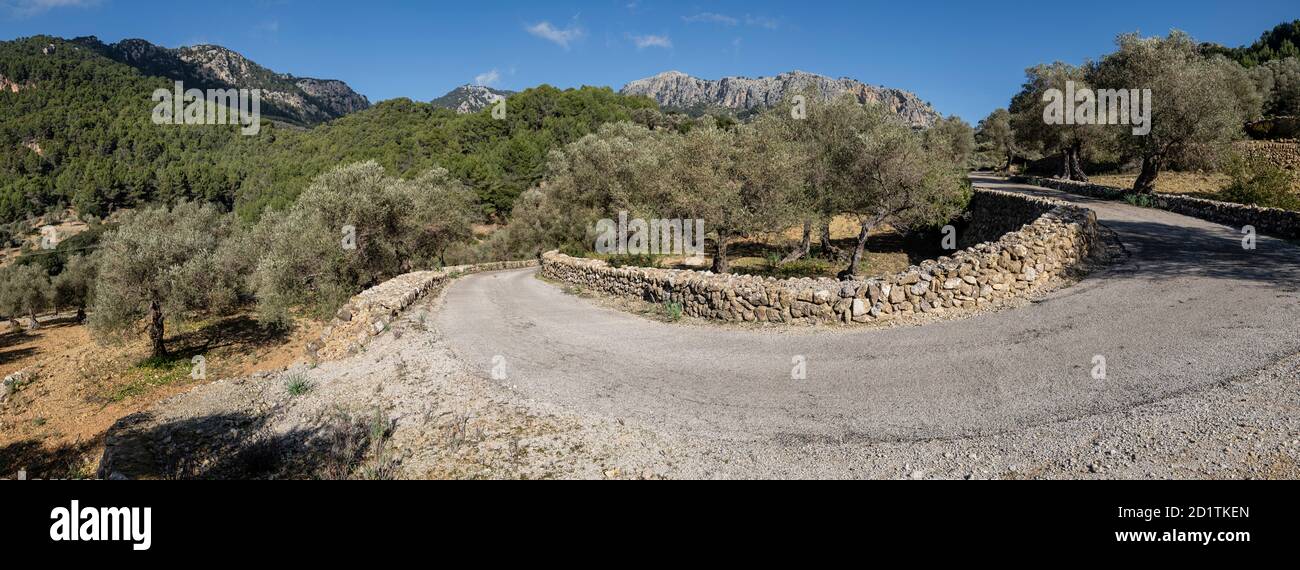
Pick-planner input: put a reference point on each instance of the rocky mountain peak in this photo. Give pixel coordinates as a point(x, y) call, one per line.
point(300, 100)
point(471, 98)
point(679, 91)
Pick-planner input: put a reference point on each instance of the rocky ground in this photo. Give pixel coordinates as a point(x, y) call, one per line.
point(403, 408)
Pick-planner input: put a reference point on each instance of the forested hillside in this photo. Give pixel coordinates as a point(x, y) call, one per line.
point(75, 130)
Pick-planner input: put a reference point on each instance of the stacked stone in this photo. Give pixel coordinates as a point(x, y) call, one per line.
point(1013, 265)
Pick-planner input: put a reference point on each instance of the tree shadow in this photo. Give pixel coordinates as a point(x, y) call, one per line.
point(66, 461)
point(237, 446)
point(238, 334)
point(1162, 251)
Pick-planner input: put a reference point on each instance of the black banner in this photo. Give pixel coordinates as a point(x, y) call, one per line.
point(144, 521)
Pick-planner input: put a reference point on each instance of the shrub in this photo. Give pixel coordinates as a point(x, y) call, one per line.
point(634, 260)
point(672, 311)
point(297, 385)
point(1260, 182)
point(1139, 200)
point(400, 225)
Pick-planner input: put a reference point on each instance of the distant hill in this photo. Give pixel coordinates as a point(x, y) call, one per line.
point(304, 101)
point(471, 98)
point(76, 131)
point(1281, 42)
point(678, 91)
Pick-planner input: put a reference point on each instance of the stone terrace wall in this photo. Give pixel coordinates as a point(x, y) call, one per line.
point(369, 313)
point(1052, 236)
point(1284, 153)
point(1271, 221)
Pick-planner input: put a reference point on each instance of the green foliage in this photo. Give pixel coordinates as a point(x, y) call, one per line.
point(1139, 200)
point(74, 286)
point(634, 260)
point(53, 261)
point(159, 263)
point(298, 385)
point(1280, 42)
point(391, 226)
point(1261, 183)
point(1279, 82)
point(25, 290)
point(996, 140)
point(952, 138)
point(672, 311)
point(99, 150)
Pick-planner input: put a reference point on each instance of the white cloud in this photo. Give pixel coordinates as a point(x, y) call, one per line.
point(488, 78)
point(651, 40)
point(25, 8)
point(561, 36)
point(725, 20)
point(269, 26)
point(762, 22)
point(711, 18)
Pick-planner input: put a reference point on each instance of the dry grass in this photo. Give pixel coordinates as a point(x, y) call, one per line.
point(1195, 184)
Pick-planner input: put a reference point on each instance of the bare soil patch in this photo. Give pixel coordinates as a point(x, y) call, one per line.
point(54, 426)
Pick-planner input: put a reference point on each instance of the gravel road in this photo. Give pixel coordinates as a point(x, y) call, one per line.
point(1188, 318)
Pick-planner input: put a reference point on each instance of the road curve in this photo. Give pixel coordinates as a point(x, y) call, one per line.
point(1189, 307)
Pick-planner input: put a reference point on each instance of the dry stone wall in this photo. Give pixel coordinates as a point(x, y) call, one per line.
point(369, 313)
point(1048, 237)
point(1270, 221)
point(1284, 153)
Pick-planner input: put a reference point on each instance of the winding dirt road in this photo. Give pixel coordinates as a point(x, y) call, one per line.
point(1189, 308)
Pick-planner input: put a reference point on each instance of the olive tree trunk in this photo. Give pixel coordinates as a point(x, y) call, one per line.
point(1146, 180)
point(1076, 164)
point(720, 262)
point(156, 329)
point(805, 244)
point(858, 250)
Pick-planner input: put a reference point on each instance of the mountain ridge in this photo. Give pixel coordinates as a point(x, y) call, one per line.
point(683, 92)
point(301, 100)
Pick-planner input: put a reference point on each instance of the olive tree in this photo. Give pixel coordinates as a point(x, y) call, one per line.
point(26, 290)
point(821, 136)
point(622, 166)
point(1278, 81)
point(1029, 117)
point(995, 132)
point(74, 287)
point(741, 182)
point(443, 215)
point(952, 138)
point(1198, 104)
point(158, 265)
point(892, 177)
point(353, 228)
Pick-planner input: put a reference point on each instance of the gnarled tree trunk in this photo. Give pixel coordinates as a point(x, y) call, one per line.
point(828, 249)
point(720, 262)
point(1146, 180)
point(858, 251)
point(1076, 164)
point(156, 329)
point(805, 244)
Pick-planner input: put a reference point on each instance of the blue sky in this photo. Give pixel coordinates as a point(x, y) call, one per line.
point(964, 57)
